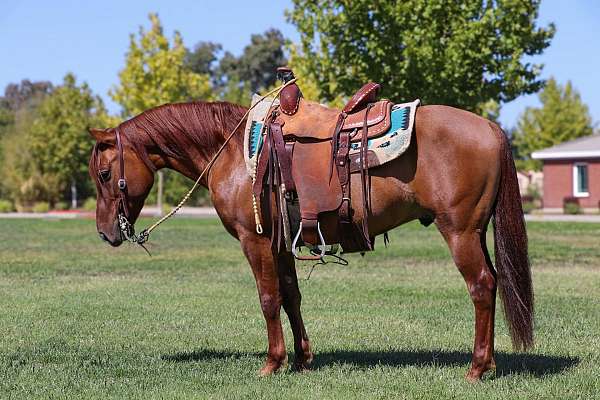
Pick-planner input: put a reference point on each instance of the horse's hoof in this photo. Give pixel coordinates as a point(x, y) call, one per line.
point(303, 365)
point(271, 367)
point(308, 359)
point(477, 375)
point(473, 377)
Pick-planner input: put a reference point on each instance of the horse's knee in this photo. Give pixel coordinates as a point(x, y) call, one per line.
point(483, 289)
point(270, 305)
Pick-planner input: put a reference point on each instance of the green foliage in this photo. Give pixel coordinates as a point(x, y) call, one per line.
point(41, 207)
point(310, 88)
point(572, 208)
point(18, 107)
point(234, 78)
point(203, 59)
point(22, 181)
point(156, 73)
point(59, 140)
point(528, 207)
point(461, 53)
point(571, 205)
point(563, 116)
point(6, 206)
point(533, 191)
point(26, 94)
point(175, 187)
point(89, 204)
point(61, 206)
point(46, 146)
point(257, 64)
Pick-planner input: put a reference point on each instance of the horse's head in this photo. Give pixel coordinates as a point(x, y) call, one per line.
point(123, 182)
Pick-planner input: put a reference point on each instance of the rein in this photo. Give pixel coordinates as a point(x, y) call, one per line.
point(127, 228)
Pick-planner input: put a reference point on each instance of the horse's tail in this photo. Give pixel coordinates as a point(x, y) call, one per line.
point(510, 245)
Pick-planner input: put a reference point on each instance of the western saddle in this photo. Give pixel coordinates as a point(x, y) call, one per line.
point(306, 157)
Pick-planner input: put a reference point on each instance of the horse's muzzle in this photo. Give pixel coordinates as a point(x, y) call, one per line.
point(115, 243)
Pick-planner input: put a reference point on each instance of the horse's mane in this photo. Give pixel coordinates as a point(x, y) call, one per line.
point(182, 129)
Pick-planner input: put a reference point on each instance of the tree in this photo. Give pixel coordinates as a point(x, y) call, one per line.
point(462, 53)
point(26, 93)
point(18, 108)
point(156, 73)
point(18, 96)
point(203, 59)
point(59, 140)
point(257, 64)
point(562, 116)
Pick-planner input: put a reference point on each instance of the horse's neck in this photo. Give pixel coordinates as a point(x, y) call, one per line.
point(193, 162)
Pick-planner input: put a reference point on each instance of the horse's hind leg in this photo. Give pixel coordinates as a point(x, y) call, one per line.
point(470, 254)
point(288, 284)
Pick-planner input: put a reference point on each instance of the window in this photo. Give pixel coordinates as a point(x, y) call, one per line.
point(580, 180)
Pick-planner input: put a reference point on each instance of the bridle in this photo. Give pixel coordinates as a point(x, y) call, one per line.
point(126, 227)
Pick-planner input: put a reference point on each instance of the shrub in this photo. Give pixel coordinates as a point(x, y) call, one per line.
point(527, 199)
point(41, 207)
point(528, 207)
point(571, 205)
point(166, 208)
point(89, 204)
point(534, 191)
point(6, 206)
point(61, 205)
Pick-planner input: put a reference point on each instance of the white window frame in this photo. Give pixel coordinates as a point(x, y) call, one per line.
point(576, 192)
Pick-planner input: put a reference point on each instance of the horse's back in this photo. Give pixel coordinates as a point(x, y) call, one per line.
point(453, 162)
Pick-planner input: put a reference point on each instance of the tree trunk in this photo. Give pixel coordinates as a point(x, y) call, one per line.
point(73, 194)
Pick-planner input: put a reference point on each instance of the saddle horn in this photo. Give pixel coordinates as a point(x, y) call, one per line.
point(289, 97)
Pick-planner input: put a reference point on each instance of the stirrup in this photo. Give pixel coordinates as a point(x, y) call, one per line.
point(311, 257)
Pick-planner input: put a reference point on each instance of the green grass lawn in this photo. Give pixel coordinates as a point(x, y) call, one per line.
point(81, 320)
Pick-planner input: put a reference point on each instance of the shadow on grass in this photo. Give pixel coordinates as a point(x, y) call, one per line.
point(507, 363)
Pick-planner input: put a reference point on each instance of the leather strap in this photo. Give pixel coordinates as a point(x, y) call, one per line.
point(122, 183)
point(285, 162)
point(364, 176)
point(343, 170)
point(310, 233)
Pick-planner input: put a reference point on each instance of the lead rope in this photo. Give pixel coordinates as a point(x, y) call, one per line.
point(144, 235)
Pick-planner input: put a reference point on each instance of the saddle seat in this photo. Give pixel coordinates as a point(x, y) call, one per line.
point(315, 122)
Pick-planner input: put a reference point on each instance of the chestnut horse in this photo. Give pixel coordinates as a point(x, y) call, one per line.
point(457, 173)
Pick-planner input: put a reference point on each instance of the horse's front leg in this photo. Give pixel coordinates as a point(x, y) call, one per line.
point(288, 284)
point(264, 267)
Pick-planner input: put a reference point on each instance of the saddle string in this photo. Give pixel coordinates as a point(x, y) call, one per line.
point(364, 176)
point(144, 235)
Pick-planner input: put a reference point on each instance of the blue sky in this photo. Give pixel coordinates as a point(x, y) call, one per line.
point(42, 40)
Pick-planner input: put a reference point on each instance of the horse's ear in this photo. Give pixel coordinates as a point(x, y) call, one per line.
point(103, 136)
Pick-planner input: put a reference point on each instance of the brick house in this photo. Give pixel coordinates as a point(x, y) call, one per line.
point(571, 169)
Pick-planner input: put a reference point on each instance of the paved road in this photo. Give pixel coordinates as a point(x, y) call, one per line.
point(563, 218)
point(209, 212)
point(199, 212)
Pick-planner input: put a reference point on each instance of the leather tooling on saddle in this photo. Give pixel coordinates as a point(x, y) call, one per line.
point(305, 153)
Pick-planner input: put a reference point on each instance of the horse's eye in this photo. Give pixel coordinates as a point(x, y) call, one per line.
point(104, 175)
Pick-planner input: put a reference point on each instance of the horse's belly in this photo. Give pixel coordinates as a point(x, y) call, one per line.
point(392, 203)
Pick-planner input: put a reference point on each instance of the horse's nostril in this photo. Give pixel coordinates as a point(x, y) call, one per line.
point(103, 236)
